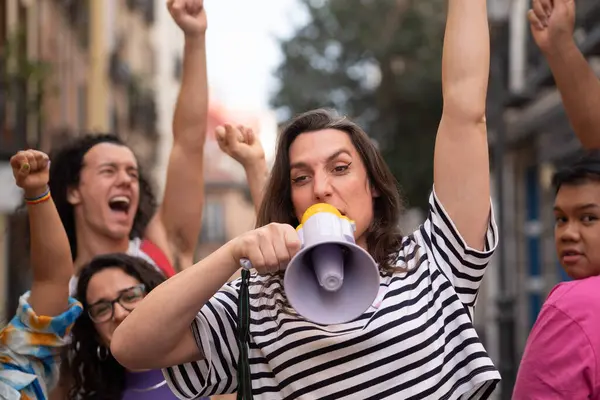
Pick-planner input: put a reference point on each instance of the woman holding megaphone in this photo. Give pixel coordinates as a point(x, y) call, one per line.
point(415, 339)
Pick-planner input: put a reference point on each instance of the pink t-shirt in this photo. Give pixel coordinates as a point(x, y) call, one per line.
point(562, 355)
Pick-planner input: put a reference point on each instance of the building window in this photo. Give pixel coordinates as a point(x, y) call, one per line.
point(3, 20)
point(148, 10)
point(533, 231)
point(114, 121)
point(177, 68)
point(151, 58)
point(213, 226)
point(82, 107)
point(78, 14)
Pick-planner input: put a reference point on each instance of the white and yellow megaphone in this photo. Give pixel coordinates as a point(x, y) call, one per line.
point(331, 280)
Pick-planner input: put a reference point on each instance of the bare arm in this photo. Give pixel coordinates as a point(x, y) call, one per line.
point(580, 91)
point(51, 260)
point(576, 81)
point(257, 175)
point(175, 303)
point(176, 226)
point(242, 144)
point(461, 162)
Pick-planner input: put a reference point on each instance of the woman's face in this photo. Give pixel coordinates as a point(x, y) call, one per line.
point(326, 168)
point(111, 295)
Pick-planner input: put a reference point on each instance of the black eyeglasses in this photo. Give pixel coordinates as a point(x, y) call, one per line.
point(104, 310)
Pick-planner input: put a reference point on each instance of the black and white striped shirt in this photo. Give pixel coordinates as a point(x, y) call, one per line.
point(416, 342)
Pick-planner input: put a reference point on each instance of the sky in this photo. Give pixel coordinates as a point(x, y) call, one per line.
point(242, 48)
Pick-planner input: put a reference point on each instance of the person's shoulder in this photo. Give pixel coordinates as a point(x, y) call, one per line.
point(577, 298)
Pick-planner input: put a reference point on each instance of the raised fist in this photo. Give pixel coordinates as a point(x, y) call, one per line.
point(31, 171)
point(189, 15)
point(240, 143)
point(552, 23)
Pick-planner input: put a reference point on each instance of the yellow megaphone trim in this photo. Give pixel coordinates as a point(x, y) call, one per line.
point(319, 208)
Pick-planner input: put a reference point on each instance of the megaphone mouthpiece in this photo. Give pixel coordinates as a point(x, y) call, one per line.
point(328, 264)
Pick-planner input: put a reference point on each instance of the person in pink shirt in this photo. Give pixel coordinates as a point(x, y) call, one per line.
point(562, 354)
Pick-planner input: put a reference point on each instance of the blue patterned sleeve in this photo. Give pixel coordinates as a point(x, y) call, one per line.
point(30, 350)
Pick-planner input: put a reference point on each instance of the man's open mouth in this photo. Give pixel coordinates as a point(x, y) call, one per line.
point(120, 204)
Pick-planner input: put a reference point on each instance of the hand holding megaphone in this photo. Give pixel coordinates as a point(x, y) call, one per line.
point(328, 278)
point(267, 249)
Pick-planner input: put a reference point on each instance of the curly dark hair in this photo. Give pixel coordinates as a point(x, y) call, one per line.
point(91, 378)
point(65, 170)
point(584, 170)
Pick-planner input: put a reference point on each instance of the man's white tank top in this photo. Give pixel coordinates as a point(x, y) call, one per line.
point(135, 250)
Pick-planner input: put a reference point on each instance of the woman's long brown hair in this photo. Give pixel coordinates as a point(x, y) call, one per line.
point(383, 236)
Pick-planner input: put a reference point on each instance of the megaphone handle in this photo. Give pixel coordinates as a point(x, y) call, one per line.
point(245, 263)
point(243, 369)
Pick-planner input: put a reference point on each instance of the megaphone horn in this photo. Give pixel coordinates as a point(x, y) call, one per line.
point(330, 280)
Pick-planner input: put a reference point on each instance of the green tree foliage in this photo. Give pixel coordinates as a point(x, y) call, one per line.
point(20, 73)
point(377, 61)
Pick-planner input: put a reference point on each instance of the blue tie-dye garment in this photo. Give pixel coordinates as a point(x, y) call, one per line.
point(30, 347)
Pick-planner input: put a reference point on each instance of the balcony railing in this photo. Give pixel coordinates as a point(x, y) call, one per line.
point(542, 76)
point(539, 74)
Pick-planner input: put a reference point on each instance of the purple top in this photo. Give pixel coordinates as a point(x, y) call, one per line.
point(148, 385)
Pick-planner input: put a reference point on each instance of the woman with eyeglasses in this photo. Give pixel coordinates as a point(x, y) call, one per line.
point(109, 288)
